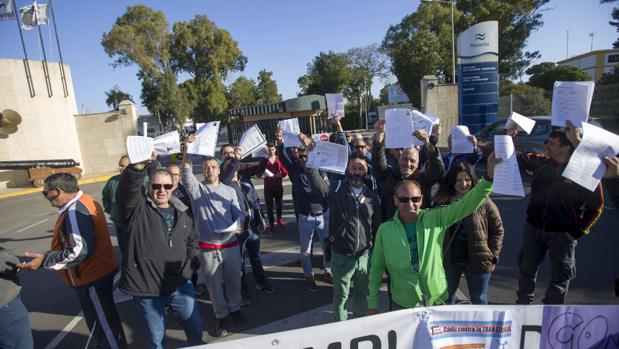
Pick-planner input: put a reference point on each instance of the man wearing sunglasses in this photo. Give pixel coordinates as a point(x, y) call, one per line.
point(409, 246)
point(82, 254)
point(160, 253)
point(310, 207)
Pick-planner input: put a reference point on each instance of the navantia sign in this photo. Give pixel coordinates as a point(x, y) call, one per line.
point(478, 75)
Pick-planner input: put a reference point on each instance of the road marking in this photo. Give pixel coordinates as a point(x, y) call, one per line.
point(32, 225)
point(65, 331)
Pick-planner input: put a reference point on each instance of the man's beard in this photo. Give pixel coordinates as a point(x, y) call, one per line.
point(355, 180)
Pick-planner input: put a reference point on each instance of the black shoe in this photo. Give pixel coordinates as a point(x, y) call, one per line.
point(267, 289)
point(238, 319)
point(221, 327)
point(310, 284)
point(245, 302)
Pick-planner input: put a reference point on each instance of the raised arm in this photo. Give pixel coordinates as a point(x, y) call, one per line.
point(317, 182)
point(379, 160)
point(130, 192)
point(435, 167)
point(188, 179)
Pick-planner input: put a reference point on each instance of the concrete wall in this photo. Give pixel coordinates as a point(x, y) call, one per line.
point(102, 137)
point(442, 101)
point(47, 130)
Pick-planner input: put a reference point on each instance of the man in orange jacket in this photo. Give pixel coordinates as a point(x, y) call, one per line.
point(82, 255)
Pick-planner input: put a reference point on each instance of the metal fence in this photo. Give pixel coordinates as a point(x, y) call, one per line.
point(604, 107)
point(308, 125)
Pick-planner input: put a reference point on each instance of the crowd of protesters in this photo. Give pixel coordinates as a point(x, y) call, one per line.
point(422, 219)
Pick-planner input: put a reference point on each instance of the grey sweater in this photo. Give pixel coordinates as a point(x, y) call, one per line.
point(9, 282)
point(215, 207)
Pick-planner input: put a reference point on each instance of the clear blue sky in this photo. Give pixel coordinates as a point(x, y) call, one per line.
point(278, 35)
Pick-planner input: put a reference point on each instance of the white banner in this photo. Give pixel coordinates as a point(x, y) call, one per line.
point(7, 11)
point(455, 327)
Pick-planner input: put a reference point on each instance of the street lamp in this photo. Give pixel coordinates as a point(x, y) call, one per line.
point(453, 38)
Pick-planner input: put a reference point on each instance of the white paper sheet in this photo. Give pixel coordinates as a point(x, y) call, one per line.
point(251, 140)
point(433, 117)
point(168, 144)
point(206, 141)
point(291, 132)
point(586, 166)
point(260, 153)
point(506, 177)
point(268, 173)
point(460, 144)
point(332, 157)
point(399, 128)
point(335, 104)
point(522, 122)
point(144, 129)
point(230, 229)
point(139, 148)
point(571, 100)
point(423, 122)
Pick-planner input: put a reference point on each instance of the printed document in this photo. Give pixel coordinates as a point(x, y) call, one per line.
point(423, 122)
point(571, 100)
point(291, 132)
point(251, 140)
point(206, 141)
point(139, 148)
point(506, 178)
point(586, 166)
point(460, 144)
point(522, 122)
point(335, 104)
point(332, 157)
point(168, 144)
point(399, 128)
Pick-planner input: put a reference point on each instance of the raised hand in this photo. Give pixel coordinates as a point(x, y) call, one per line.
point(422, 135)
point(379, 128)
point(492, 161)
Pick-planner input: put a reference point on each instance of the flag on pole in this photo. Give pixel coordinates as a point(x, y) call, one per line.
point(7, 12)
point(33, 16)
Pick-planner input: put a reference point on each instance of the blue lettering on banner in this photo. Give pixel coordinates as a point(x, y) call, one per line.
point(478, 94)
point(579, 327)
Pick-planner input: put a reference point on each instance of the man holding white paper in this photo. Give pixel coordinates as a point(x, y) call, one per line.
point(219, 218)
point(408, 163)
point(559, 212)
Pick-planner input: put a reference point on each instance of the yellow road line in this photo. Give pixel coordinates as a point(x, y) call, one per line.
point(36, 190)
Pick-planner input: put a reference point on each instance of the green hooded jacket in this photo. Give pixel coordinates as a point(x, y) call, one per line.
point(392, 252)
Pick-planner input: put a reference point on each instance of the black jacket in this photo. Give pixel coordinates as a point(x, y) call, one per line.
point(352, 225)
point(431, 172)
point(557, 204)
point(155, 262)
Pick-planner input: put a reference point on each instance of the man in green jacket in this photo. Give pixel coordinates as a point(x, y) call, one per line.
point(409, 246)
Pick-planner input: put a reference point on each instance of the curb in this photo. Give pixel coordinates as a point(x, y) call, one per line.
point(38, 190)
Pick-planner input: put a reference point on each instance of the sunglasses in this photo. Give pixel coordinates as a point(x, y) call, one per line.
point(414, 199)
point(360, 146)
point(157, 186)
point(47, 191)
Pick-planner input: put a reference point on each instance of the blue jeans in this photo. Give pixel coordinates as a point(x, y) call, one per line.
point(307, 226)
point(183, 304)
point(477, 283)
point(14, 326)
point(250, 247)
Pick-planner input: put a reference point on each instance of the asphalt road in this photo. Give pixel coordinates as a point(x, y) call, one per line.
point(27, 222)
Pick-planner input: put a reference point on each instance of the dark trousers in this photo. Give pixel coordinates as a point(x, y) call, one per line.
point(14, 326)
point(535, 244)
point(270, 194)
point(250, 247)
point(477, 283)
point(101, 316)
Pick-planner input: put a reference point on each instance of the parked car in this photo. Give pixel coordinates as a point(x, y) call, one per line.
point(526, 143)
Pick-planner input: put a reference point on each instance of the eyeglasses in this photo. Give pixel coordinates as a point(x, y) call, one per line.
point(50, 198)
point(414, 199)
point(157, 186)
point(360, 146)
